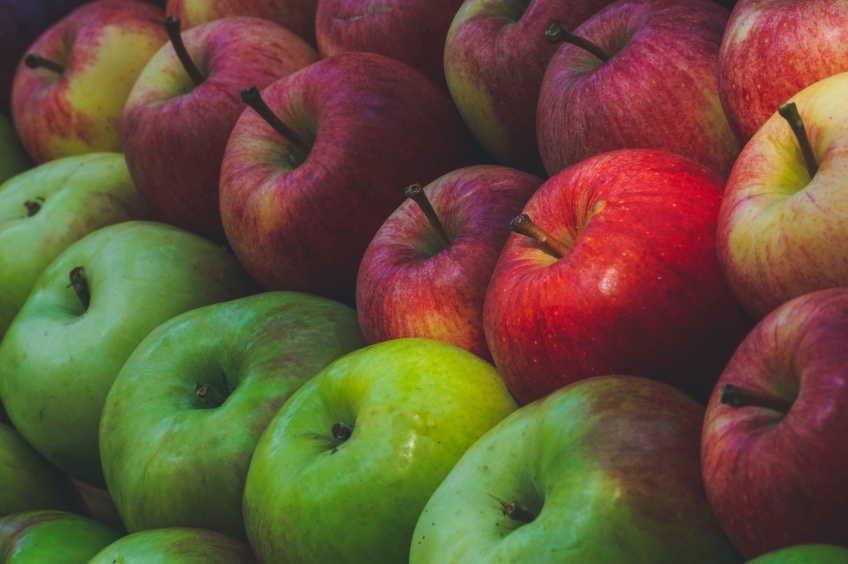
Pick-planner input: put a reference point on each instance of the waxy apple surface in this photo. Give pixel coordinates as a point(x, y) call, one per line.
point(52, 536)
point(179, 544)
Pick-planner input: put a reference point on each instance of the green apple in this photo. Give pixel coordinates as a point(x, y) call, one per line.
point(182, 545)
point(604, 470)
point(185, 413)
point(45, 209)
point(27, 481)
point(344, 469)
point(63, 351)
point(805, 554)
point(57, 537)
point(13, 158)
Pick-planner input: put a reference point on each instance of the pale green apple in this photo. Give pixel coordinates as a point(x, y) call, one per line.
point(344, 469)
point(805, 554)
point(185, 413)
point(45, 209)
point(13, 158)
point(50, 536)
point(176, 545)
point(604, 470)
point(60, 355)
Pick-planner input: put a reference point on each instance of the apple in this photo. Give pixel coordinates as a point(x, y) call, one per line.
point(495, 57)
point(627, 280)
point(771, 50)
point(412, 32)
point(13, 158)
point(300, 207)
point(772, 448)
point(69, 91)
point(211, 379)
point(45, 209)
point(64, 349)
point(426, 270)
point(181, 544)
point(345, 467)
point(177, 121)
point(783, 224)
point(52, 536)
point(27, 481)
point(604, 470)
point(805, 554)
point(648, 80)
point(295, 15)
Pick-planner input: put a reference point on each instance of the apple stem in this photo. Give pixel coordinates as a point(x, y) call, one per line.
point(735, 396)
point(554, 33)
point(33, 206)
point(253, 98)
point(172, 26)
point(523, 225)
point(789, 112)
point(80, 286)
point(515, 511)
point(342, 431)
point(34, 61)
point(416, 193)
point(213, 395)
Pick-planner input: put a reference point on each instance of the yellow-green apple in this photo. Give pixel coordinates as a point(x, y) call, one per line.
point(184, 105)
point(211, 379)
point(773, 460)
point(13, 157)
point(296, 15)
point(604, 470)
point(64, 349)
point(773, 49)
point(299, 211)
point(652, 84)
point(45, 209)
point(805, 554)
point(53, 536)
point(494, 59)
point(185, 545)
point(784, 221)
point(69, 91)
point(426, 271)
point(345, 467)
point(28, 482)
point(410, 31)
point(626, 281)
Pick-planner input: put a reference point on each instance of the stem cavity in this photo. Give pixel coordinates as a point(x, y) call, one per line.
point(734, 396)
point(34, 61)
point(253, 98)
point(523, 225)
point(172, 26)
point(80, 286)
point(554, 33)
point(789, 112)
point(515, 511)
point(214, 396)
point(33, 206)
point(416, 193)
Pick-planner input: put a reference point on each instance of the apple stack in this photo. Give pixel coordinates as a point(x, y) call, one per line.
point(426, 282)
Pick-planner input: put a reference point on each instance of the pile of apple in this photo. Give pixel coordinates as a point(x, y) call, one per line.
point(430, 281)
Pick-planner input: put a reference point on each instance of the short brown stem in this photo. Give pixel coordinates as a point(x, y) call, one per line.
point(253, 98)
point(789, 112)
point(172, 26)
point(515, 511)
point(416, 193)
point(33, 206)
point(523, 225)
point(554, 33)
point(34, 61)
point(342, 431)
point(80, 286)
point(734, 396)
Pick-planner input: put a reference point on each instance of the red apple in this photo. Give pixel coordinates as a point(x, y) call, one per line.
point(300, 217)
point(427, 278)
point(657, 88)
point(175, 127)
point(628, 281)
point(773, 455)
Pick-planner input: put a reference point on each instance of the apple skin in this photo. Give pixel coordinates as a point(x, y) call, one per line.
point(805, 554)
point(295, 15)
point(639, 291)
point(374, 126)
point(62, 358)
point(609, 467)
point(103, 46)
point(759, 66)
point(175, 133)
point(77, 195)
point(412, 32)
point(185, 545)
point(415, 406)
point(659, 90)
point(410, 285)
point(780, 233)
point(763, 468)
point(495, 57)
point(266, 345)
point(52, 536)
point(13, 157)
